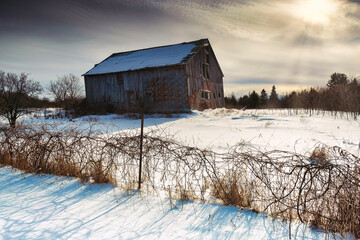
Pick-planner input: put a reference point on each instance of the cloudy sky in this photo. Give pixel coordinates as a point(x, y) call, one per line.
point(294, 44)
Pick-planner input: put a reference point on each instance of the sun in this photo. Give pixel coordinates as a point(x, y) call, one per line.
point(315, 11)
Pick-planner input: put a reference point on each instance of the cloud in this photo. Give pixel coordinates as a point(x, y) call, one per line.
point(257, 42)
point(355, 1)
point(267, 20)
point(68, 20)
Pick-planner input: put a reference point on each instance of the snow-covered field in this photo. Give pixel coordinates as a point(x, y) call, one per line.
point(48, 207)
point(218, 129)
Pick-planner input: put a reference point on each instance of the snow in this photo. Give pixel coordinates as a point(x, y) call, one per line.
point(50, 207)
point(267, 130)
point(220, 128)
point(153, 57)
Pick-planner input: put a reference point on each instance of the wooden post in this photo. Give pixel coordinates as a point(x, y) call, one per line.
point(141, 147)
point(290, 226)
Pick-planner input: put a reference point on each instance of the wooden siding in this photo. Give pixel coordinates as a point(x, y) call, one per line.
point(199, 81)
point(103, 89)
point(163, 89)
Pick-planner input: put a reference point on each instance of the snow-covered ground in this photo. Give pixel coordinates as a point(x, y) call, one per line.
point(50, 207)
point(218, 129)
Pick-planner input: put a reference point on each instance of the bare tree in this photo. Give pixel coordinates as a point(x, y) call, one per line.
point(15, 91)
point(67, 90)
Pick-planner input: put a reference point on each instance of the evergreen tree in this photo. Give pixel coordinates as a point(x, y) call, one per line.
point(244, 101)
point(274, 99)
point(254, 100)
point(233, 101)
point(263, 98)
point(336, 79)
point(230, 102)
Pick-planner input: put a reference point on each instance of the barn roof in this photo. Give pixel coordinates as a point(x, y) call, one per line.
point(176, 54)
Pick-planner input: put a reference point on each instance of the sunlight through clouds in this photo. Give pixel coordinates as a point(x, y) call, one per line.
point(285, 42)
point(315, 11)
point(297, 43)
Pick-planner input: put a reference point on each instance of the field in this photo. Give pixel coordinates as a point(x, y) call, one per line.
point(218, 129)
point(34, 207)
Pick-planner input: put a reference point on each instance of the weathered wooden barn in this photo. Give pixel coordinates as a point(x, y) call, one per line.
point(173, 78)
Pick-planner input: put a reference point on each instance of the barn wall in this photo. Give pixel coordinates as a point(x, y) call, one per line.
point(103, 89)
point(163, 89)
point(198, 81)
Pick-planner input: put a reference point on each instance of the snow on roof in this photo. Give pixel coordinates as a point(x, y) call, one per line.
point(147, 58)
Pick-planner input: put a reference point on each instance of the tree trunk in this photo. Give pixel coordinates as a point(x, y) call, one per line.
point(12, 122)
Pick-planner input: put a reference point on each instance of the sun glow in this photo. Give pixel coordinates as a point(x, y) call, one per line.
point(315, 11)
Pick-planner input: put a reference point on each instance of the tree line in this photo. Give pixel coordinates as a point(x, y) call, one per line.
point(254, 100)
point(341, 93)
point(18, 93)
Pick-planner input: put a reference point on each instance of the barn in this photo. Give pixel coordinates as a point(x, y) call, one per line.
point(166, 79)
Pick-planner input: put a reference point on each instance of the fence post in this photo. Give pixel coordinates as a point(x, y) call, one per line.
point(141, 147)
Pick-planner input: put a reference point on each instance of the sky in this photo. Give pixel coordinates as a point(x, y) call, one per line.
point(292, 44)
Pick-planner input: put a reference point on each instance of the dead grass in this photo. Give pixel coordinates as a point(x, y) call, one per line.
point(321, 193)
point(230, 190)
point(63, 153)
point(320, 155)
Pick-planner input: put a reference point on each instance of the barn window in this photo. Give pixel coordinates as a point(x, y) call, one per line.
point(214, 95)
point(219, 95)
point(205, 94)
point(204, 65)
point(206, 71)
